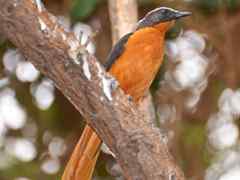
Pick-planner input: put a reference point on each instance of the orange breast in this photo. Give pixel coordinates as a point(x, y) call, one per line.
point(136, 68)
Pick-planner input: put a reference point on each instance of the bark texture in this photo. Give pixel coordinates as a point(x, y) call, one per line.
point(138, 145)
point(123, 16)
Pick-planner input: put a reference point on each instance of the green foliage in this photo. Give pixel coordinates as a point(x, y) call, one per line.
point(211, 6)
point(101, 170)
point(217, 88)
point(174, 31)
point(146, 2)
point(81, 9)
point(4, 45)
point(194, 135)
point(233, 4)
point(30, 169)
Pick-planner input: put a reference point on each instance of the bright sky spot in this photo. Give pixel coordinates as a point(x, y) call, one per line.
point(26, 72)
point(44, 94)
point(21, 148)
point(11, 112)
point(11, 58)
point(232, 174)
point(50, 166)
point(196, 39)
point(218, 141)
point(57, 147)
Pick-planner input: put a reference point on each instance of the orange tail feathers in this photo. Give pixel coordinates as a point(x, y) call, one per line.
point(83, 159)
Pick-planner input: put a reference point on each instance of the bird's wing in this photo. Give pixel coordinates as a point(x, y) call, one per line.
point(117, 51)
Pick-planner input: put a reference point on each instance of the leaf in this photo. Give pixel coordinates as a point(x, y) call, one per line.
point(233, 4)
point(81, 9)
point(209, 6)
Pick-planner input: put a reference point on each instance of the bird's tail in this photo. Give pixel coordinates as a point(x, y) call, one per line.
point(83, 160)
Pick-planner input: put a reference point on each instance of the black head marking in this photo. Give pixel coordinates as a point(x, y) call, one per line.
point(161, 14)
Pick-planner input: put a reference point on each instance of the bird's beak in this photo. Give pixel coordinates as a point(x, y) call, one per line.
point(181, 14)
point(173, 16)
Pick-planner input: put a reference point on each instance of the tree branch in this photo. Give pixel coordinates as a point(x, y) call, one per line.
point(139, 147)
point(123, 16)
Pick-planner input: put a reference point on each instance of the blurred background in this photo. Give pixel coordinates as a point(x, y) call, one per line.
point(196, 94)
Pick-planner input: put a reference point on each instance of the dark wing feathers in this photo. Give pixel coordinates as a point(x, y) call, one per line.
point(116, 51)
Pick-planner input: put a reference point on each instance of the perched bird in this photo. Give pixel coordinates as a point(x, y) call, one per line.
point(134, 61)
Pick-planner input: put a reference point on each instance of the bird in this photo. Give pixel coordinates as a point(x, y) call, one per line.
point(134, 62)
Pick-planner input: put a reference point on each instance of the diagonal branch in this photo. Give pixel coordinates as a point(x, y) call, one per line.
point(139, 147)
